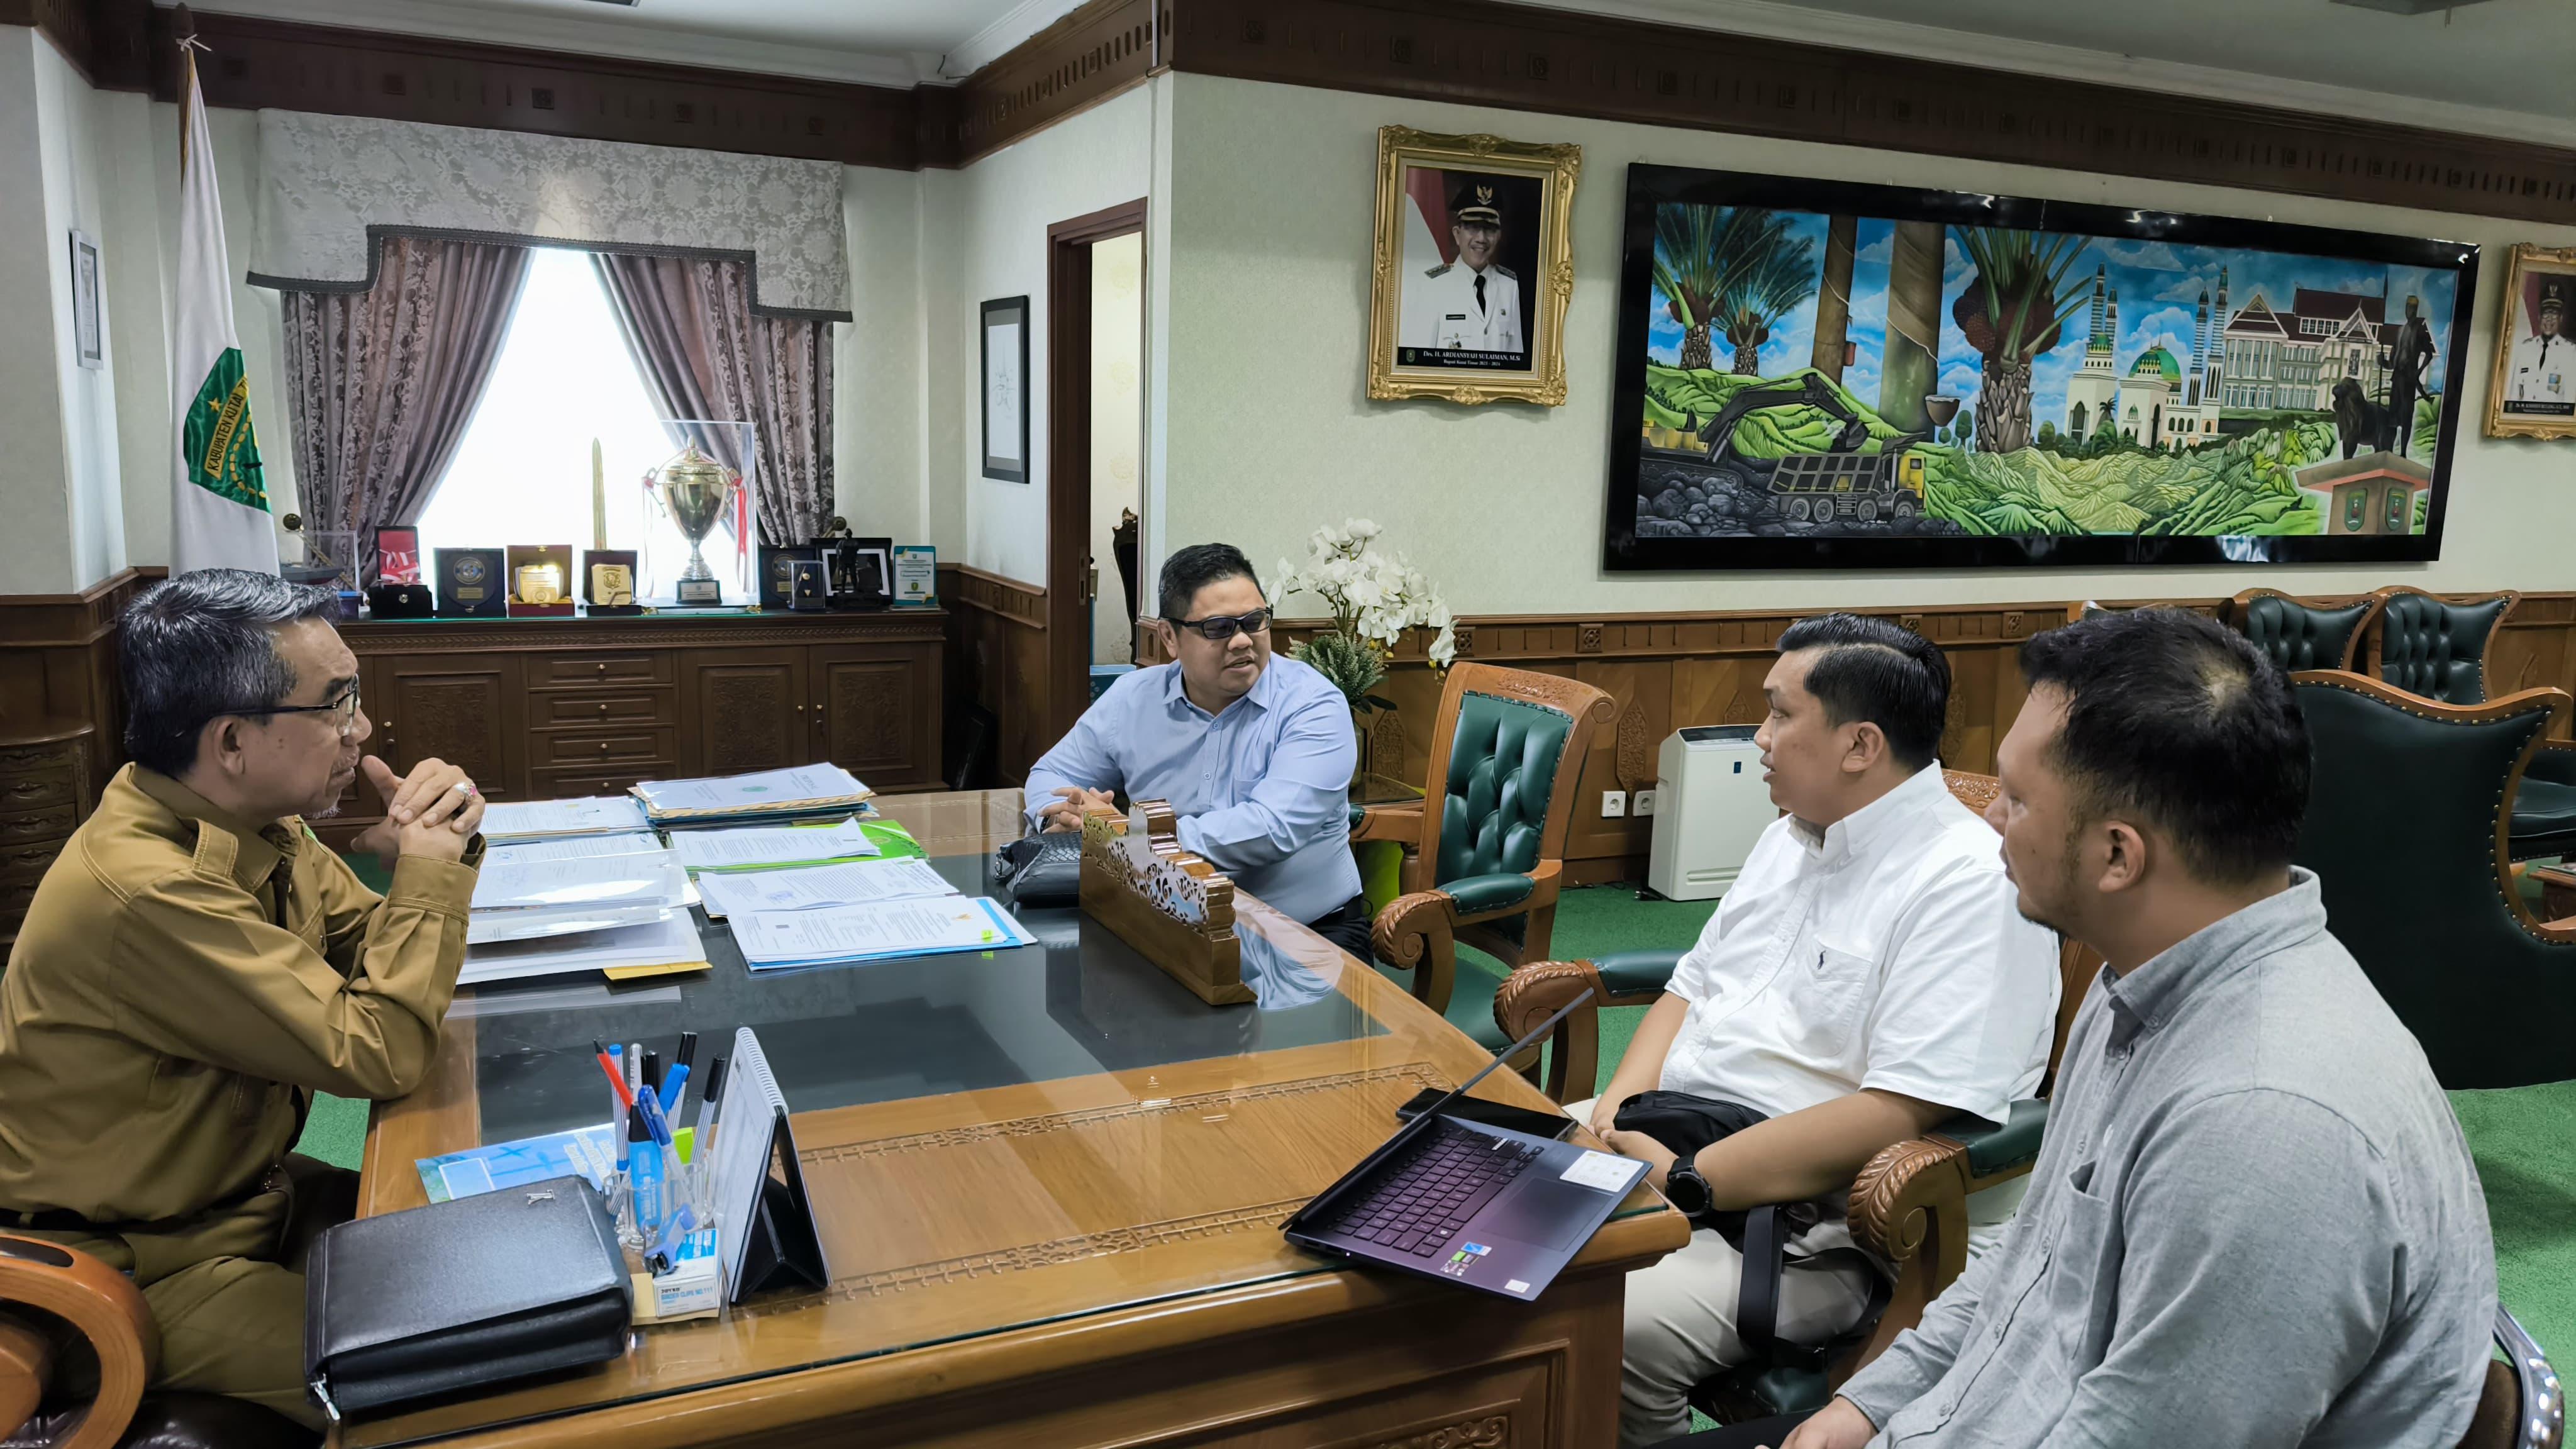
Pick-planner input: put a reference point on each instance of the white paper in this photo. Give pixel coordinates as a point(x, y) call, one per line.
point(662, 943)
point(570, 847)
point(486, 928)
point(767, 790)
point(598, 815)
point(1603, 1170)
point(769, 845)
point(884, 929)
point(817, 887)
point(629, 880)
point(1002, 400)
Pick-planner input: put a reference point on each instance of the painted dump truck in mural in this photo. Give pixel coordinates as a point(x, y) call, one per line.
point(1844, 482)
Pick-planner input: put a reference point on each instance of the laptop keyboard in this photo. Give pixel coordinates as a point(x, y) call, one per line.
point(1417, 1203)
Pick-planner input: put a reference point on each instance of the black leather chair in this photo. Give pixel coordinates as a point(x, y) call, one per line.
point(1506, 752)
point(2407, 828)
point(2437, 647)
point(67, 1316)
point(2301, 633)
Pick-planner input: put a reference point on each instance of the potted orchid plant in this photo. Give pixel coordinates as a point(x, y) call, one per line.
point(1374, 597)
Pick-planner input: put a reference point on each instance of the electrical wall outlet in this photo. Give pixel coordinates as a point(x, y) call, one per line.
point(1614, 803)
point(1644, 804)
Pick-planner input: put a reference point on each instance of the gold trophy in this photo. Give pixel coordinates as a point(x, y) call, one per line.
point(695, 491)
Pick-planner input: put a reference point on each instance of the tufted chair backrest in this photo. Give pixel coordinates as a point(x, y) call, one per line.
point(1515, 743)
point(2436, 647)
point(2297, 634)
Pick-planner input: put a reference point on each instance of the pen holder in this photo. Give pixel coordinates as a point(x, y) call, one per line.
point(621, 1208)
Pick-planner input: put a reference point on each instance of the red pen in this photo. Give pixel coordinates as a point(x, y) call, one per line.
point(615, 1078)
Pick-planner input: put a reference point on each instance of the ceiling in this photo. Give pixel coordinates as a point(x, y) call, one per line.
point(2492, 67)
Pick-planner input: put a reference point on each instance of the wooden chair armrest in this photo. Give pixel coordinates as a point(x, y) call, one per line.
point(1417, 932)
point(1398, 821)
point(1909, 1205)
point(1535, 992)
point(26, 1371)
point(103, 1306)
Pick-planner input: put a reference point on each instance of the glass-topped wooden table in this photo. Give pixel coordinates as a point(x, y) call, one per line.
point(1049, 1182)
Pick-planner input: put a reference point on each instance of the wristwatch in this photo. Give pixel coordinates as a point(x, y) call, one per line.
point(1686, 1189)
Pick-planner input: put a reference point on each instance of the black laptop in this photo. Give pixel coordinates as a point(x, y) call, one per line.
point(1486, 1206)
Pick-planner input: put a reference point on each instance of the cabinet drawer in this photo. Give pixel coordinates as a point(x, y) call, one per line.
point(28, 862)
point(15, 897)
point(570, 784)
point(636, 667)
point(61, 758)
point(27, 792)
point(590, 749)
point(600, 708)
point(22, 827)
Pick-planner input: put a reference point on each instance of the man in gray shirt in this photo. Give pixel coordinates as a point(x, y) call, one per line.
point(2254, 1221)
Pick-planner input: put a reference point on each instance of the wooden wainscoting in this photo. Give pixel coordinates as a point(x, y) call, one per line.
point(997, 653)
point(58, 661)
point(1666, 671)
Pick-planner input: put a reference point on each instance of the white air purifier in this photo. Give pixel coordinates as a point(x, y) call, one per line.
point(1710, 806)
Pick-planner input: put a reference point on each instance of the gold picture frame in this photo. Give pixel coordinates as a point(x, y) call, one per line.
point(1441, 329)
point(2532, 391)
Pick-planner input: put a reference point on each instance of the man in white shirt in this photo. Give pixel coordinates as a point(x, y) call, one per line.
point(1472, 304)
point(1866, 978)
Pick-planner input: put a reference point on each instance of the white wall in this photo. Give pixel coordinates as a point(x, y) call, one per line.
point(1270, 432)
point(35, 458)
point(1117, 430)
point(880, 456)
point(1002, 206)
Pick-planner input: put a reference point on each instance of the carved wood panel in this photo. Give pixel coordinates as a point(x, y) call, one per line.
point(875, 716)
point(1644, 688)
point(742, 710)
point(466, 709)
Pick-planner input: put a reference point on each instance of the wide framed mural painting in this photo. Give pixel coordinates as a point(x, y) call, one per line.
point(1472, 266)
point(1820, 374)
point(2533, 391)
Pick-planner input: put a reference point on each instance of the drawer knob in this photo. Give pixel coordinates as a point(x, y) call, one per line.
point(603, 747)
point(603, 709)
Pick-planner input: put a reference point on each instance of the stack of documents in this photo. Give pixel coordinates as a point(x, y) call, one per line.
point(767, 847)
point(559, 903)
point(769, 795)
point(516, 820)
point(817, 887)
point(882, 930)
point(669, 942)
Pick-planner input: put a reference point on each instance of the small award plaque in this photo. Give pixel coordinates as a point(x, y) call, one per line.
point(540, 581)
point(471, 583)
point(777, 572)
point(608, 581)
point(805, 593)
point(916, 576)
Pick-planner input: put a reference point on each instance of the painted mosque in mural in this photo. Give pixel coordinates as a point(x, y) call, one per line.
point(1814, 374)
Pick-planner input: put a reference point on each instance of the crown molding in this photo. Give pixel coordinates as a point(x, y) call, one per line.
point(542, 30)
point(1772, 20)
point(1004, 35)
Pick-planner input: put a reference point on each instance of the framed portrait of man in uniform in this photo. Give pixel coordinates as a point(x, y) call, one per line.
point(2533, 394)
point(1474, 262)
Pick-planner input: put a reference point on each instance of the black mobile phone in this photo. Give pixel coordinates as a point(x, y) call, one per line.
point(1492, 1114)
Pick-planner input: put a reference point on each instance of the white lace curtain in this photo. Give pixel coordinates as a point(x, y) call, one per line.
point(328, 182)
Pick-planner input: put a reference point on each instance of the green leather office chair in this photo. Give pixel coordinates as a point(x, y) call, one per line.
point(2302, 633)
point(1909, 1204)
point(2436, 646)
point(1506, 752)
point(2407, 827)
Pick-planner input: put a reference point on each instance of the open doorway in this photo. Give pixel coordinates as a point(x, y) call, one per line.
point(1095, 421)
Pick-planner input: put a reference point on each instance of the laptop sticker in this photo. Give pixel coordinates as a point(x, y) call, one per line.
point(1605, 1171)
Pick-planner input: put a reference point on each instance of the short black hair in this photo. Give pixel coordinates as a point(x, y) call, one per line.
point(1193, 569)
point(1870, 669)
point(2187, 724)
point(204, 644)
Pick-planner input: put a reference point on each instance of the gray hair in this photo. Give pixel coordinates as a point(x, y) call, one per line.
point(201, 645)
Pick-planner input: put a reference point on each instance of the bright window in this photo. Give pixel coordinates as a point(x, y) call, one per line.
point(564, 377)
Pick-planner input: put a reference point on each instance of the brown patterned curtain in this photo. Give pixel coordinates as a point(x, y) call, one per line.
point(705, 354)
point(381, 383)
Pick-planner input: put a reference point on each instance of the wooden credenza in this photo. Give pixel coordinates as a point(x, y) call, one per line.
point(535, 709)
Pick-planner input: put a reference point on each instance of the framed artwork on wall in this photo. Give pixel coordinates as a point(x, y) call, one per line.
point(2533, 394)
point(89, 336)
point(1006, 389)
point(1473, 264)
point(1818, 374)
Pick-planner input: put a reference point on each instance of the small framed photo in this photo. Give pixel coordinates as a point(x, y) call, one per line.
point(2533, 394)
point(1006, 389)
point(1474, 263)
point(89, 335)
point(397, 556)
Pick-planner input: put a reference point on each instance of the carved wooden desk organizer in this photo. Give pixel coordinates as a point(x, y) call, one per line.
point(1173, 907)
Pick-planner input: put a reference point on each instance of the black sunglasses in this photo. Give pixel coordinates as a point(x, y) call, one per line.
point(1218, 628)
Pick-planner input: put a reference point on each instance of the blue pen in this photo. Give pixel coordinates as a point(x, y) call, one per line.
point(645, 1176)
point(648, 1110)
point(671, 1088)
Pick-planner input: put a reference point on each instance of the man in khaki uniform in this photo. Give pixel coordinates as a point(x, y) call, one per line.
point(196, 965)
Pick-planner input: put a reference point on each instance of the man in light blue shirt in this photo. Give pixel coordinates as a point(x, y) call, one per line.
point(1254, 752)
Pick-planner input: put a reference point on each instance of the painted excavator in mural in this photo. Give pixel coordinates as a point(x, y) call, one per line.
point(1844, 481)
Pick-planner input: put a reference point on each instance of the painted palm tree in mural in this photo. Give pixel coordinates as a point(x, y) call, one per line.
point(1734, 270)
point(2013, 310)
